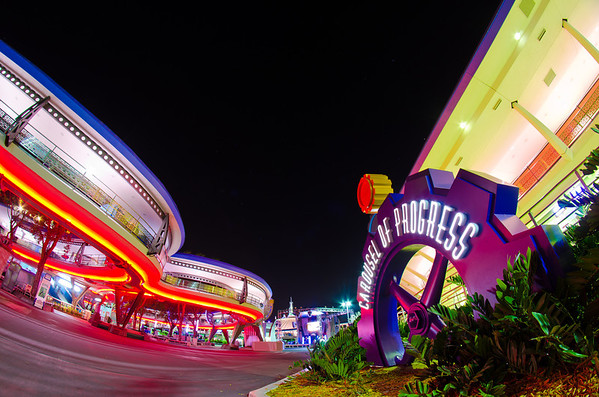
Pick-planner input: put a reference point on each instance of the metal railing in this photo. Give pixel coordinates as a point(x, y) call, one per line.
point(219, 272)
point(544, 214)
point(210, 289)
point(89, 260)
point(55, 163)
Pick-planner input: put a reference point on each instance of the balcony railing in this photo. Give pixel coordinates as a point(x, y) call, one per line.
point(574, 126)
point(544, 211)
point(51, 160)
point(88, 260)
point(210, 289)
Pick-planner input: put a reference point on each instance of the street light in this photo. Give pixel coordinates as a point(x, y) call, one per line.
point(346, 305)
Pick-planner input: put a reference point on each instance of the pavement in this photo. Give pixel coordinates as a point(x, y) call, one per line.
point(54, 354)
point(261, 392)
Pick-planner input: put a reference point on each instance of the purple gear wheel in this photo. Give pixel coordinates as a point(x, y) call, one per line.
point(500, 236)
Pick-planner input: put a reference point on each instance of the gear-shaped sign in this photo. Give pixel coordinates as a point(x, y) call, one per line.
point(471, 222)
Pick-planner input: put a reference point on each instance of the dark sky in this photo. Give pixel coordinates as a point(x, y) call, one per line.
point(260, 118)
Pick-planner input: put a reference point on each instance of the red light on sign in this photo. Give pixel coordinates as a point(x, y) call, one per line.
point(372, 191)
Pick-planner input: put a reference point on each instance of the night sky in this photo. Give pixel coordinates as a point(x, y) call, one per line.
point(260, 118)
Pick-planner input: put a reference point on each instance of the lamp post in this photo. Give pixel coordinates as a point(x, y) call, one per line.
point(346, 305)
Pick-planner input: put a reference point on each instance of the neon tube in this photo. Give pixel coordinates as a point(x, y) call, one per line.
point(65, 208)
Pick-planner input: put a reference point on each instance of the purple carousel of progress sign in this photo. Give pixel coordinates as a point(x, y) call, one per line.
point(471, 222)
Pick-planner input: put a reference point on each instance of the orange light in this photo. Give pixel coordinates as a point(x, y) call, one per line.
point(221, 327)
point(101, 274)
point(102, 291)
point(91, 276)
point(24, 256)
point(35, 187)
point(213, 304)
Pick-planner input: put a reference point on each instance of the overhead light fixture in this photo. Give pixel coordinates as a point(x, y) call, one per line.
point(518, 35)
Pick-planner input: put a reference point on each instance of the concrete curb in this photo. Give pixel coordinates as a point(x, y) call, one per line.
point(261, 392)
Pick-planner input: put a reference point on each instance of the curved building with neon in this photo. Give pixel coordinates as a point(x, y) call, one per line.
point(124, 228)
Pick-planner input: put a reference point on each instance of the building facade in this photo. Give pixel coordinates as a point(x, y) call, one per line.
point(122, 230)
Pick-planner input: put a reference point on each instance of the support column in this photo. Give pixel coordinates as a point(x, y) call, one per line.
point(553, 139)
point(134, 306)
point(581, 39)
point(226, 335)
point(123, 318)
point(238, 330)
point(258, 330)
point(117, 304)
point(78, 298)
point(181, 311)
point(212, 333)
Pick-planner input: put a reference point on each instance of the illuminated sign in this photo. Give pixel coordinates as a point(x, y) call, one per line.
point(313, 326)
point(470, 221)
point(442, 225)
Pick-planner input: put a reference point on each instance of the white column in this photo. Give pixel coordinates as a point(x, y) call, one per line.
point(581, 39)
point(553, 139)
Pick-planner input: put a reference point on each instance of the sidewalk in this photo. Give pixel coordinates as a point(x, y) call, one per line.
point(22, 305)
point(261, 392)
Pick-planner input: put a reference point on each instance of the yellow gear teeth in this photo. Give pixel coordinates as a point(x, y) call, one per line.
point(373, 189)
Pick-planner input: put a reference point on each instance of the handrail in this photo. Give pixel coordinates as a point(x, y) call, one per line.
point(560, 192)
point(57, 165)
point(220, 271)
point(87, 260)
point(209, 288)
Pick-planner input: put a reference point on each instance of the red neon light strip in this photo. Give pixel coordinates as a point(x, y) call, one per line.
point(228, 326)
point(115, 275)
point(39, 190)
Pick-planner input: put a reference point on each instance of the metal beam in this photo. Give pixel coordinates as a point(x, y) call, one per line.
point(160, 238)
point(244, 291)
point(79, 254)
point(553, 139)
point(212, 333)
point(136, 303)
point(22, 120)
point(587, 45)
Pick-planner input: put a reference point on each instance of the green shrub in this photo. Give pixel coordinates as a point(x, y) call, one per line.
point(339, 358)
point(528, 331)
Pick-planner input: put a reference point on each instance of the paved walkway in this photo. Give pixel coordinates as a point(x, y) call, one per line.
point(54, 354)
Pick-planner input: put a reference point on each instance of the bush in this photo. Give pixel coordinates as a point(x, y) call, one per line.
point(527, 331)
point(340, 358)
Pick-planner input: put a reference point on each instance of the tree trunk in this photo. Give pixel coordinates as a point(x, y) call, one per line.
point(172, 328)
point(140, 314)
point(38, 275)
